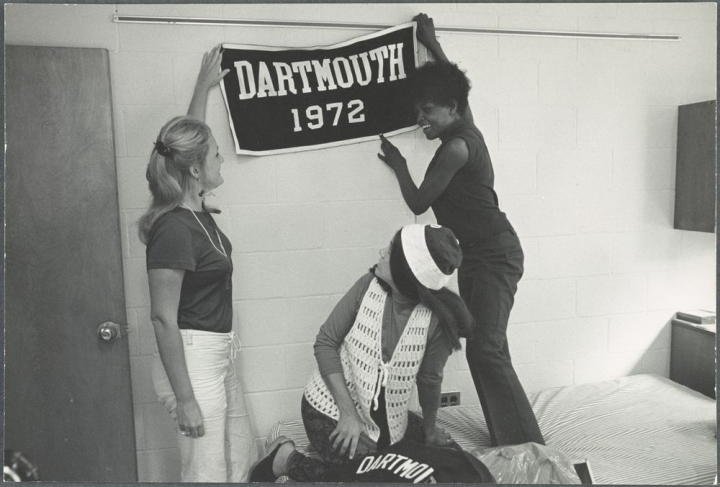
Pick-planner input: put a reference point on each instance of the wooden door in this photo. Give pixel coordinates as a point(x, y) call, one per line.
point(68, 398)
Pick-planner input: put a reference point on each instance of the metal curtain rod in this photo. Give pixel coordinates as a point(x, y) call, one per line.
point(347, 25)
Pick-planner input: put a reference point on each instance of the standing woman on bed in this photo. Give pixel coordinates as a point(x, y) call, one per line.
point(458, 185)
point(189, 265)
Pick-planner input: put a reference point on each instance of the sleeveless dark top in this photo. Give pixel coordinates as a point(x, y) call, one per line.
point(469, 204)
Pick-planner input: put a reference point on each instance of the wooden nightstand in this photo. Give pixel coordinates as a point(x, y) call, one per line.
point(692, 356)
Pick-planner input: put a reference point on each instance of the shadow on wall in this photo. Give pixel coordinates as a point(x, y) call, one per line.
point(656, 357)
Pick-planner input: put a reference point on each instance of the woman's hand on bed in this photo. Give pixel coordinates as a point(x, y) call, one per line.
point(347, 433)
point(438, 437)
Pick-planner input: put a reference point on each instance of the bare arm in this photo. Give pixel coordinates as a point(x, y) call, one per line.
point(426, 35)
point(452, 157)
point(209, 76)
point(165, 285)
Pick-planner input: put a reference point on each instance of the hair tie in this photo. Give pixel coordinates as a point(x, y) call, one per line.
point(162, 149)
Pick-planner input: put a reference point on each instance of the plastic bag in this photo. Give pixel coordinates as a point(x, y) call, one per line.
point(528, 463)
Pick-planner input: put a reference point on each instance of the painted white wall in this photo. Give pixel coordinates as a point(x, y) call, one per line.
point(582, 135)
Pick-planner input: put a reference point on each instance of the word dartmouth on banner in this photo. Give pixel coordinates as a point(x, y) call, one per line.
point(283, 100)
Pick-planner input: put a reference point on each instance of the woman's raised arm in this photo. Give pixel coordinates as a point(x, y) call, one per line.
point(426, 35)
point(209, 76)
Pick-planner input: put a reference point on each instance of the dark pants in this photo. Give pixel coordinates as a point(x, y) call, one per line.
point(488, 279)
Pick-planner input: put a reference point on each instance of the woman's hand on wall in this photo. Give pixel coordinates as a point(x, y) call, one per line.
point(209, 76)
point(425, 29)
point(426, 35)
point(210, 73)
point(391, 155)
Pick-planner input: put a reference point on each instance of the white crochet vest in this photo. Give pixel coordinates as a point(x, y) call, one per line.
point(365, 372)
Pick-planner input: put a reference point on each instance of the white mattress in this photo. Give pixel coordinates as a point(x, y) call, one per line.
point(641, 429)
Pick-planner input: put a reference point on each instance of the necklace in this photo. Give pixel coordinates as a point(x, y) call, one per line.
point(223, 252)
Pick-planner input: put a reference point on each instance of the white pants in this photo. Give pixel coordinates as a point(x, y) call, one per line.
point(226, 451)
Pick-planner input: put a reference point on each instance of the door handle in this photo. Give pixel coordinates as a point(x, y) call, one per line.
point(109, 331)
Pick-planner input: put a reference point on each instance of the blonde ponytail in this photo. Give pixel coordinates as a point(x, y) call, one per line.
point(183, 142)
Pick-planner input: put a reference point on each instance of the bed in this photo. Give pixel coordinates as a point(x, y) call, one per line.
point(640, 429)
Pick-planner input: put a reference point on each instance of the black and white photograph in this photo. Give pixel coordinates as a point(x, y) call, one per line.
point(452, 242)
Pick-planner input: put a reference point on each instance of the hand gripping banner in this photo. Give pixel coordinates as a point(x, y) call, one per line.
point(283, 100)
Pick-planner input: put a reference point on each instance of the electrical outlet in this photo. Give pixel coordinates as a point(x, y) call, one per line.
point(451, 398)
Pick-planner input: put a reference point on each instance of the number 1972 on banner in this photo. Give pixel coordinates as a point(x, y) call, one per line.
point(315, 115)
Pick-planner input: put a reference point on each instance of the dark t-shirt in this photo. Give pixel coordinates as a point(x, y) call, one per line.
point(410, 462)
point(469, 204)
point(177, 241)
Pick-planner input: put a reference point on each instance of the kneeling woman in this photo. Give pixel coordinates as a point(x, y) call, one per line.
point(395, 327)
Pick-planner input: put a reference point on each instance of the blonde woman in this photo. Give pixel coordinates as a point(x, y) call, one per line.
point(189, 265)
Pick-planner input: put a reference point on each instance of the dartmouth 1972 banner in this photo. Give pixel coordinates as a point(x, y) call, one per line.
point(292, 99)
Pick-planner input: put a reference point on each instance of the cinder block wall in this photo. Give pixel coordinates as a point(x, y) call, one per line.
point(582, 135)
